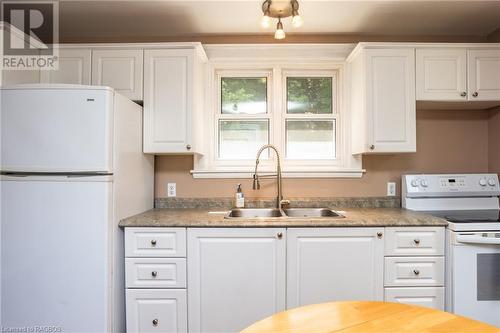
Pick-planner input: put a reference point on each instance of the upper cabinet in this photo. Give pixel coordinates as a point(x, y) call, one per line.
point(441, 74)
point(74, 68)
point(173, 97)
point(120, 69)
point(383, 100)
point(458, 74)
point(484, 74)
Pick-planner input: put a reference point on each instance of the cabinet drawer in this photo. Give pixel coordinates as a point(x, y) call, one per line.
point(155, 272)
point(158, 310)
point(414, 271)
point(432, 297)
point(155, 242)
point(414, 241)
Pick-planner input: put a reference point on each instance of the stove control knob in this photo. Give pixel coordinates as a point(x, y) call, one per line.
point(424, 183)
point(492, 182)
point(482, 181)
point(414, 182)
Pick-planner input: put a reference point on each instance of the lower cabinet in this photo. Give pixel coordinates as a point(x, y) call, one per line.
point(221, 280)
point(414, 266)
point(236, 276)
point(334, 264)
point(156, 310)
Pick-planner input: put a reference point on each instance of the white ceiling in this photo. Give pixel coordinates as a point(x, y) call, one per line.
point(108, 19)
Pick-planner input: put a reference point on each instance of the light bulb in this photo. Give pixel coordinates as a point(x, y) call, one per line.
point(279, 34)
point(265, 21)
point(297, 21)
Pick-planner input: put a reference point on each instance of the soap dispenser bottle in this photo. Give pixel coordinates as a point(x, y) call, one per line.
point(240, 199)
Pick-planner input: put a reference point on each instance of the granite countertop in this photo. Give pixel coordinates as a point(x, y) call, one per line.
point(354, 217)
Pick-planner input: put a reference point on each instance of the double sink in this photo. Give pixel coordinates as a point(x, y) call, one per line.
point(276, 213)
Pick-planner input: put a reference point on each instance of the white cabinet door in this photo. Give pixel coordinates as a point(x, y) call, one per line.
point(74, 68)
point(119, 69)
point(441, 74)
point(156, 310)
point(334, 264)
point(484, 75)
point(391, 100)
point(168, 94)
point(236, 276)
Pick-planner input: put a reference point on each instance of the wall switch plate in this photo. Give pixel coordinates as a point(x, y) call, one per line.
point(391, 189)
point(171, 189)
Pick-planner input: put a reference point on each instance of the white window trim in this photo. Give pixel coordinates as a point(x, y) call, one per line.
point(345, 166)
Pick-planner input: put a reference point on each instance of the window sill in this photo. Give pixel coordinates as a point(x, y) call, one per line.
point(338, 173)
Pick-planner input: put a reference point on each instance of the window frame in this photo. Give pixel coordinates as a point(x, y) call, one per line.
point(208, 165)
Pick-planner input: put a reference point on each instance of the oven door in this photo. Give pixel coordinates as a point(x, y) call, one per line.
point(476, 275)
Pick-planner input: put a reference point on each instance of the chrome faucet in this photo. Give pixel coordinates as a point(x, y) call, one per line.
point(256, 183)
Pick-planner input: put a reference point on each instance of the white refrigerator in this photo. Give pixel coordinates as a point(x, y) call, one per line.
point(72, 166)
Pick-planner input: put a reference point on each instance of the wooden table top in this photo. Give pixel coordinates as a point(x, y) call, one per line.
point(357, 317)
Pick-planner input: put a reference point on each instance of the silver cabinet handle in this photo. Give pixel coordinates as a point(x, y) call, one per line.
point(188, 147)
point(416, 241)
point(463, 94)
point(475, 94)
point(153, 242)
point(372, 147)
point(416, 272)
point(155, 322)
point(154, 273)
point(379, 234)
point(280, 235)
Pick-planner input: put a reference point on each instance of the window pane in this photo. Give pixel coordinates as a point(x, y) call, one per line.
point(243, 95)
point(309, 95)
point(310, 139)
point(242, 139)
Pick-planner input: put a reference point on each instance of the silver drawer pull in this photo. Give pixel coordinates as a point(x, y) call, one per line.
point(153, 242)
point(416, 272)
point(416, 241)
point(154, 273)
point(155, 322)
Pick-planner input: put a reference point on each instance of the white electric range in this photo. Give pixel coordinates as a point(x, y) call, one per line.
point(470, 203)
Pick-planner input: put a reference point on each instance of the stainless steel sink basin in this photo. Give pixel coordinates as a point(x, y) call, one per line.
point(312, 212)
point(250, 213)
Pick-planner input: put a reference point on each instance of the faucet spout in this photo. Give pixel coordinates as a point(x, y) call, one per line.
point(256, 183)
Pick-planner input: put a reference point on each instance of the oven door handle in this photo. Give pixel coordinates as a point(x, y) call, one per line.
point(478, 239)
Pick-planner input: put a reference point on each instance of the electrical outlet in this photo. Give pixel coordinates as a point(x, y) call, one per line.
point(391, 189)
point(171, 189)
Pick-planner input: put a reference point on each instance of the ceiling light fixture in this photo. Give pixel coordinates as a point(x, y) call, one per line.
point(280, 9)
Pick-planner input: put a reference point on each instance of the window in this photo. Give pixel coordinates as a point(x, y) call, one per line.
point(243, 117)
point(310, 124)
point(296, 108)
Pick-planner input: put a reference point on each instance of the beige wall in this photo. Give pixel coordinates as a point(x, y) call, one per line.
point(447, 141)
point(494, 142)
